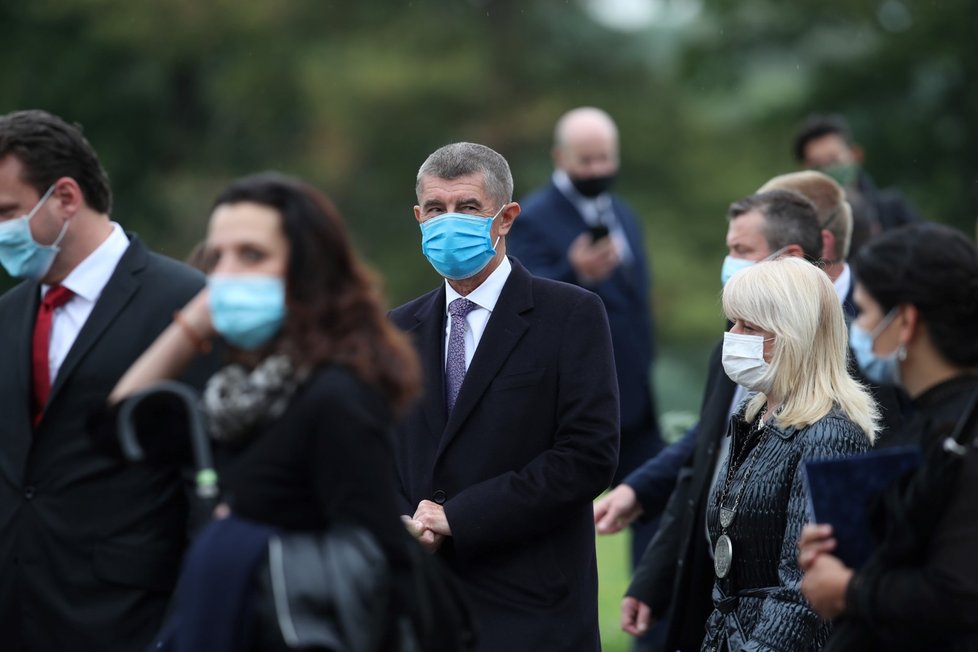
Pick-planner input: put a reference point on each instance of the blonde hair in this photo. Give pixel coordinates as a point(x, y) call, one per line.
point(829, 198)
point(796, 302)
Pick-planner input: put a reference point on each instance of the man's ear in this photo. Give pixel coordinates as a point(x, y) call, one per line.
point(857, 153)
point(68, 196)
point(417, 214)
point(793, 250)
point(507, 216)
point(828, 246)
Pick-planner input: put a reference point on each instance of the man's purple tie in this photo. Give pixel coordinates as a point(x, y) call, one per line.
point(455, 364)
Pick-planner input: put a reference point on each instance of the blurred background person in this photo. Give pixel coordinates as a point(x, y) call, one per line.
point(576, 230)
point(834, 220)
point(918, 298)
point(90, 545)
point(315, 377)
point(825, 143)
point(788, 347)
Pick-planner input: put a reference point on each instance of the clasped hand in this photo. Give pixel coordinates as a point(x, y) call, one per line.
point(429, 525)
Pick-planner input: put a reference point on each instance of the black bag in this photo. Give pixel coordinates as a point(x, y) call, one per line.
point(335, 592)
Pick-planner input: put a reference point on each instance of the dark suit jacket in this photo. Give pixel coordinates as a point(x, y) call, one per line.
point(532, 440)
point(676, 569)
point(540, 238)
point(90, 545)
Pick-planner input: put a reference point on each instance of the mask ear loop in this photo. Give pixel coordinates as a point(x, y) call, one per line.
point(498, 237)
point(30, 216)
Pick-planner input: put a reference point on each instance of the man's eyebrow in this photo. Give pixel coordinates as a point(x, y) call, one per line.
point(432, 202)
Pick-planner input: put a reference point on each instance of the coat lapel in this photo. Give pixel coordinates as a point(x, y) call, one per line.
point(503, 331)
point(121, 287)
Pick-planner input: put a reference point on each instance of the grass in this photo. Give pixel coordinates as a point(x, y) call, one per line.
point(614, 574)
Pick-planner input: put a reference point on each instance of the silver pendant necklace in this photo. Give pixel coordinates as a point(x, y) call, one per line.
point(723, 550)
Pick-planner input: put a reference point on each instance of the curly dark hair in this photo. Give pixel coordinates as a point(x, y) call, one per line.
point(934, 268)
point(335, 312)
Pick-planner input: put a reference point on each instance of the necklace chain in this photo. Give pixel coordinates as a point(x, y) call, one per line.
point(732, 468)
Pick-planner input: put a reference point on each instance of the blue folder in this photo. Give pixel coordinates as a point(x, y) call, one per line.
point(842, 489)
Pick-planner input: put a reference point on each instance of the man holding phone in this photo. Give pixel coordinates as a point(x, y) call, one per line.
point(575, 230)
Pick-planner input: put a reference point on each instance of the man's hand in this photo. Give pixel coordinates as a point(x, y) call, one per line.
point(616, 510)
point(593, 262)
point(636, 617)
point(813, 542)
point(429, 525)
point(824, 585)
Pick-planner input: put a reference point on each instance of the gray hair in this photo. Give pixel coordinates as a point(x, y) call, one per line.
point(462, 159)
point(789, 218)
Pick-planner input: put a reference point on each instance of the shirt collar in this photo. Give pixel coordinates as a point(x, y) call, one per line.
point(89, 277)
point(487, 294)
point(843, 282)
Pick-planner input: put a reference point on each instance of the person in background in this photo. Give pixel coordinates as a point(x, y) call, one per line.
point(835, 221)
point(825, 143)
point(787, 347)
point(561, 235)
point(90, 545)
point(918, 298)
point(517, 431)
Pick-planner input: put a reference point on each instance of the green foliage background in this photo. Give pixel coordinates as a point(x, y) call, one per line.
point(180, 96)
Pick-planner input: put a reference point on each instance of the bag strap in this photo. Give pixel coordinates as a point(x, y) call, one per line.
point(957, 442)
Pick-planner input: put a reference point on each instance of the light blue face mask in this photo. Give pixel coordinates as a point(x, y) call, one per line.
point(882, 370)
point(248, 311)
point(459, 246)
point(20, 254)
point(731, 266)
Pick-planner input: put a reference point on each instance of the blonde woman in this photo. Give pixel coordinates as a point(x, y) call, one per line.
point(788, 346)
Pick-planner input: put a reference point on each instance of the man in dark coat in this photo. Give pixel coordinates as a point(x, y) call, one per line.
point(90, 545)
point(576, 230)
point(518, 428)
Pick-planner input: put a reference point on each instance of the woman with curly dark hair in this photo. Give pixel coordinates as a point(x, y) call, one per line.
point(315, 377)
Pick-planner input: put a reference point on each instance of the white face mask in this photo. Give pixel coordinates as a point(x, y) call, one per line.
point(743, 360)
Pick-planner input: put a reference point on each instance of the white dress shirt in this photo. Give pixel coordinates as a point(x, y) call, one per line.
point(87, 281)
point(485, 297)
point(843, 283)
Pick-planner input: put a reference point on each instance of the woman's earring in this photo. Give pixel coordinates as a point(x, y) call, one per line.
point(901, 353)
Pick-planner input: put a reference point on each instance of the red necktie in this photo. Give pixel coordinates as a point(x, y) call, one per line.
point(56, 297)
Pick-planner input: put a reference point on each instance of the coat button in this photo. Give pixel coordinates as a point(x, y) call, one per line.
point(438, 496)
point(29, 492)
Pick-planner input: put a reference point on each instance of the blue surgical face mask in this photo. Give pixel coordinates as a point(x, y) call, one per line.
point(459, 246)
point(247, 311)
point(20, 254)
point(882, 370)
point(733, 265)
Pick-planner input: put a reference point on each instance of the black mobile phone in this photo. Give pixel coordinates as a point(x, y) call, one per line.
point(598, 232)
